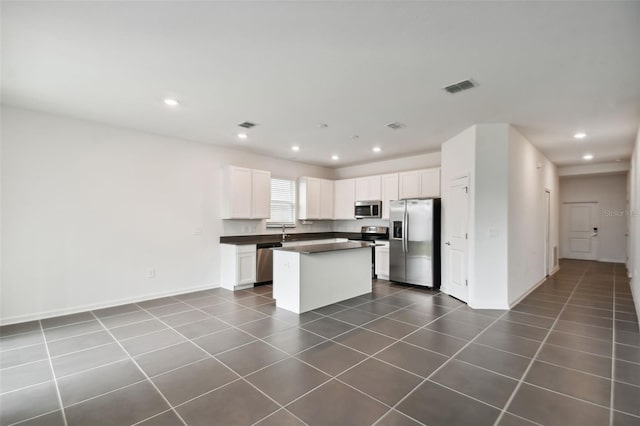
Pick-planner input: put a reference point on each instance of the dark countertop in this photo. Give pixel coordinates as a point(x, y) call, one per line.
point(277, 238)
point(323, 248)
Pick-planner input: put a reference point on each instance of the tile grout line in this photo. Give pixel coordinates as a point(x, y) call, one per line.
point(152, 417)
point(141, 370)
point(240, 377)
point(394, 407)
point(333, 377)
point(19, 422)
point(367, 357)
point(613, 352)
point(53, 374)
point(312, 366)
point(535, 356)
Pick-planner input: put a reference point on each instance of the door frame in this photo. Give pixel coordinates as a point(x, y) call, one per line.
point(548, 262)
point(446, 250)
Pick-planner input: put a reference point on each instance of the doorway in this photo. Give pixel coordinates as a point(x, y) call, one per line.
point(548, 262)
point(580, 230)
point(456, 238)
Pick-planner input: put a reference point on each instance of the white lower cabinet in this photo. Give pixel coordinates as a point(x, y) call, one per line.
point(237, 266)
point(382, 260)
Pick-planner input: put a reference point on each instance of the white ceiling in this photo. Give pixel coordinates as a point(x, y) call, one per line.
point(548, 68)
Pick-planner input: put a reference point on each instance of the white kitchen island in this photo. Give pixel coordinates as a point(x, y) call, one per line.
point(313, 276)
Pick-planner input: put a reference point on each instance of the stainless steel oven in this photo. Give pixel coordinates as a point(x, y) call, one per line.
point(368, 209)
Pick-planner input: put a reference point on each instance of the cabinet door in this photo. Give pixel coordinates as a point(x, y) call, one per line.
point(389, 192)
point(409, 184)
point(368, 188)
point(246, 268)
point(375, 192)
point(313, 198)
point(344, 198)
point(362, 189)
point(261, 194)
point(430, 182)
point(326, 199)
point(239, 193)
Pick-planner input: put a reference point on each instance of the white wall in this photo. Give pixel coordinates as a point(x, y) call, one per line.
point(414, 162)
point(530, 175)
point(89, 209)
point(619, 167)
point(634, 222)
point(489, 289)
point(458, 160)
point(506, 220)
point(610, 192)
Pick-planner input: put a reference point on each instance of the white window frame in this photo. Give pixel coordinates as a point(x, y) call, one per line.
point(294, 203)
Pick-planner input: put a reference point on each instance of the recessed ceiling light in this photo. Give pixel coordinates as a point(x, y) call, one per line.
point(588, 157)
point(295, 148)
point(376, 149)
point(335, 157)
point(242, 136)
point(580, 135)
point(171, 102)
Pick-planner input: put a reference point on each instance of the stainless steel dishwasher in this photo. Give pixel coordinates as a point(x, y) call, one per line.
point(264, 262)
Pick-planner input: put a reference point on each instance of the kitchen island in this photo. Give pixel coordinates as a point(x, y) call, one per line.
point(312, 276)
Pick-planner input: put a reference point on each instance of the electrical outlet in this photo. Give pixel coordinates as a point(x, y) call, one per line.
point(197, 231)
point(151, 273)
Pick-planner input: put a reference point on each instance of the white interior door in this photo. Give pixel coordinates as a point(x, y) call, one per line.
point(580, 230)
point(456, 238)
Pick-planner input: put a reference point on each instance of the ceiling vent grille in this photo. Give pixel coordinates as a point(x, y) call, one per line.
point(247, 124)
point(460, 86)
point(395, 125)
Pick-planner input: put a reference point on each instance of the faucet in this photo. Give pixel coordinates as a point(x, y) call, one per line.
point(284, 235)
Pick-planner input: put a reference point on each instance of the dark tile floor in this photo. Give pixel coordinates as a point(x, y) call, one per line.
point(569, 354)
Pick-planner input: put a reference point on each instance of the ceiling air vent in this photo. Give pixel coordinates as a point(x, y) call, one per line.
point(395, 125)
point(460, 86)
point(247, 124)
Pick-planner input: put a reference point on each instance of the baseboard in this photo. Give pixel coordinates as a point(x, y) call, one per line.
point(612, 261)
point(501, 307)
point(91, 307)
point(636, 299)
point(536, 285)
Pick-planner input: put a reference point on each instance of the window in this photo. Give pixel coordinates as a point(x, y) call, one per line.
point(283, 202)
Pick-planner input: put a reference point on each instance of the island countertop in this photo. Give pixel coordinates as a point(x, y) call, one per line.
point(322, 248)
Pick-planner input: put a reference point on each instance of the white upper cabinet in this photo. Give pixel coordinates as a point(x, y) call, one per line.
point(389, 192)
point(344, 198)
point(261, 194)
point(326, 199)
point(368, 188)
point(315, 198)
point(246, 193)
point(430, 182)
point(419, 183)
point(409, 184)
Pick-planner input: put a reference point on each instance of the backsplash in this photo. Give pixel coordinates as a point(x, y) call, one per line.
point(253, 227)
point(355, 225)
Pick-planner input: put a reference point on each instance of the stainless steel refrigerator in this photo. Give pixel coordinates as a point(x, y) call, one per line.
point(414, 242)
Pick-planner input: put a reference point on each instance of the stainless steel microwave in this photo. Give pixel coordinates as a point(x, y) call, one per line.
point(368, 209)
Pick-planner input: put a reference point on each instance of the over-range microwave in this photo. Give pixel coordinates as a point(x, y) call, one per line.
point(368, 209)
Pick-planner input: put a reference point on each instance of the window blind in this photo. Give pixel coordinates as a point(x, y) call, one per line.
point(283, 202)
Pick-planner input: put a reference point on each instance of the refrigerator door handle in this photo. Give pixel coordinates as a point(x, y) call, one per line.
point(405, 234)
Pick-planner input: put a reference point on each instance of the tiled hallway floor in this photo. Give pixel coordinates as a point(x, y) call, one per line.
point(569, 354)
